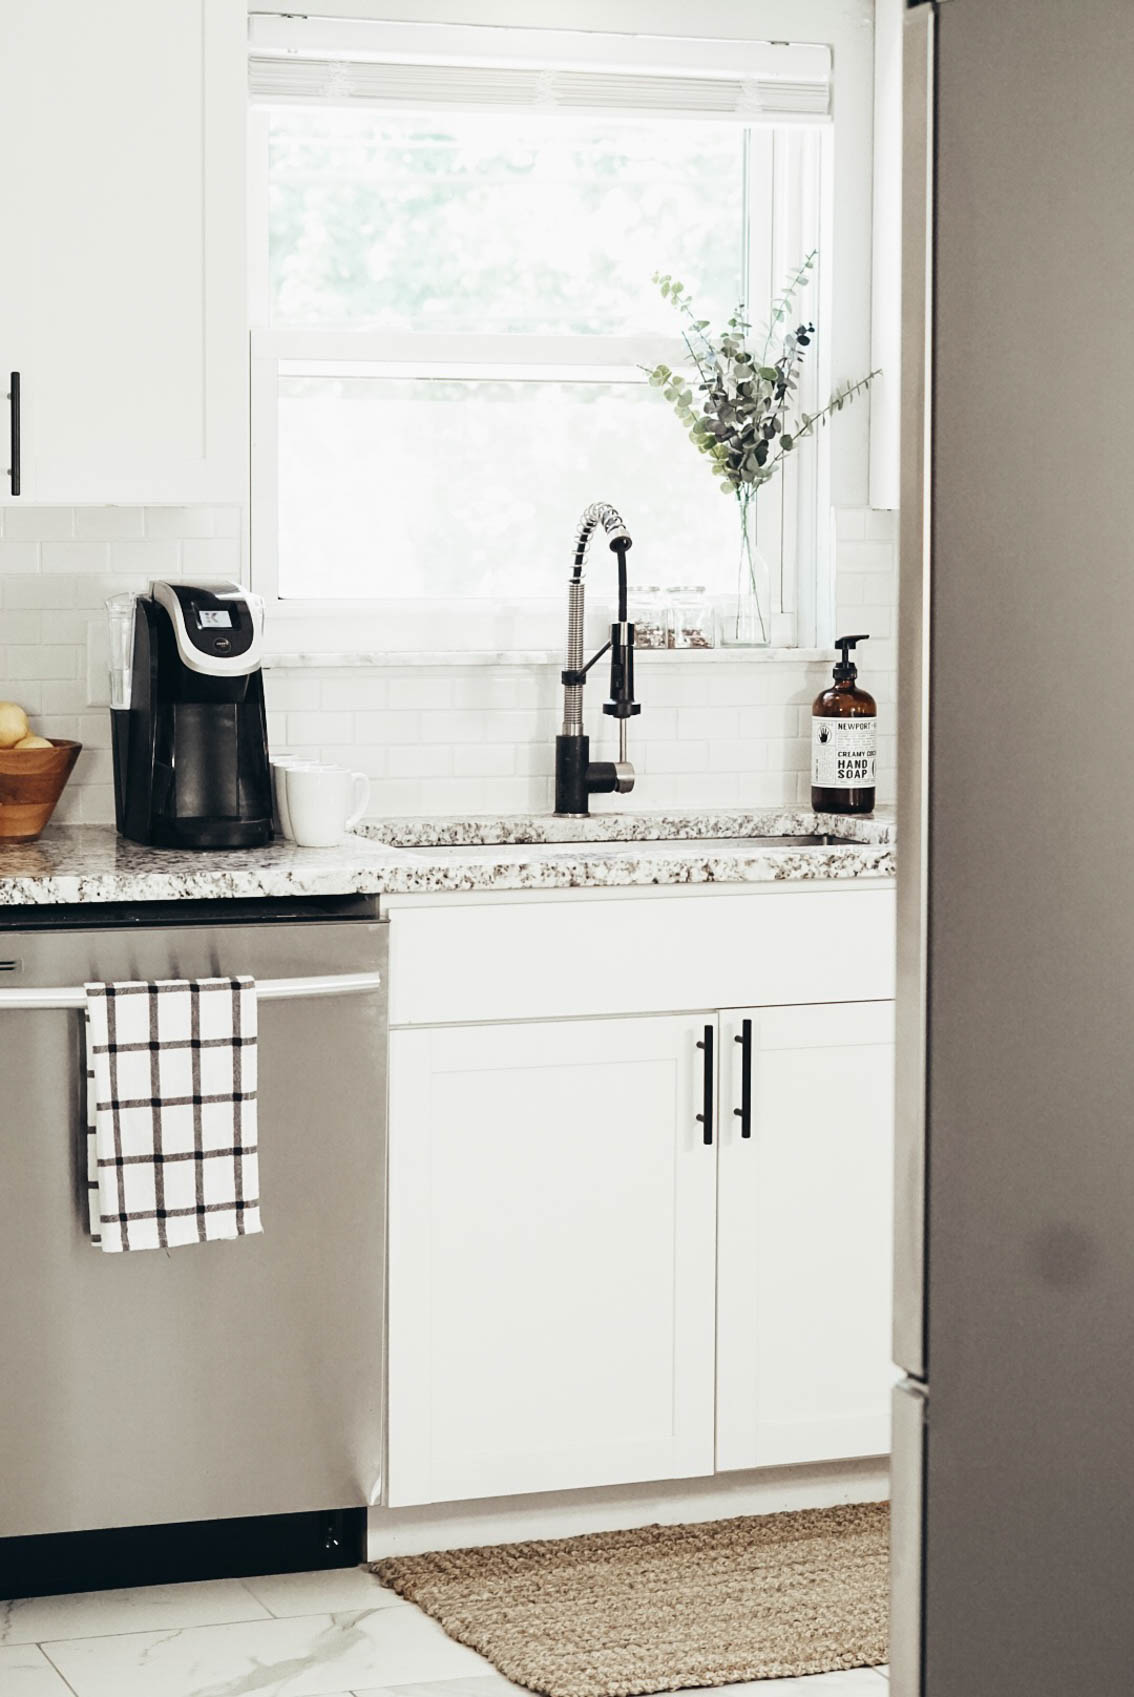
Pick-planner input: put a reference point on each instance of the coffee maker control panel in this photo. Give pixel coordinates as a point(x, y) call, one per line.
point(215, 626)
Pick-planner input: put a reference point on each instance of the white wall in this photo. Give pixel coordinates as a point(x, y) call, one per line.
point(441, 738)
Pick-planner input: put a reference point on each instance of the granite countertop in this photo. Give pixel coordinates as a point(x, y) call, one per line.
point(91, 863)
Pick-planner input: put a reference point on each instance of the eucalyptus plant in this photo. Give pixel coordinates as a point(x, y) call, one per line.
point(740, 405)
point(740, 401)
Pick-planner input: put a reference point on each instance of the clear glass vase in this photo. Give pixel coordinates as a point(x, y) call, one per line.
point(746, 618)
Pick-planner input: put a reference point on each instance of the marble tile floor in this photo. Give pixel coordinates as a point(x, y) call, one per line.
point(332, 1634)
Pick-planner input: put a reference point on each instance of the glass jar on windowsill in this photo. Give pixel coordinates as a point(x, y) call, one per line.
point(690, 617)
point(647, 608)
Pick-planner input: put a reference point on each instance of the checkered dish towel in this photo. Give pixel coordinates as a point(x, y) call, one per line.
point(171, 1109)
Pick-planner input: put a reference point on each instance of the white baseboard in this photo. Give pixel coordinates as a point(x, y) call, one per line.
point(560, 1514)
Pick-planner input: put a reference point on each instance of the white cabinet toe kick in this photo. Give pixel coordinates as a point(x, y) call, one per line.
point(639, 1188)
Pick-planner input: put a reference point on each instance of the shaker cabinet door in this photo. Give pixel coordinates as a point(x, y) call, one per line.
point(552, 1257)
point(805, 1233)
point(122, 282)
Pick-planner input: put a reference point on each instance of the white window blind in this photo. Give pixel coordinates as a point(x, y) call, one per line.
point(411, 67)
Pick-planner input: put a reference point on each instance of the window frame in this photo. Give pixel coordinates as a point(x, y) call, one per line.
point(789, 208)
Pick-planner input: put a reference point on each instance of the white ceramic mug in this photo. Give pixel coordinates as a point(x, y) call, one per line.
point(280, 764)
point(323, 803)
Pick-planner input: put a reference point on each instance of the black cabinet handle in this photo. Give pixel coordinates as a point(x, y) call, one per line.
point(14, 423)
point(744, 1112)
point(705, 1117)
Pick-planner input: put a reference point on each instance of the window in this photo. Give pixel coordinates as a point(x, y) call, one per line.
point(453, 288)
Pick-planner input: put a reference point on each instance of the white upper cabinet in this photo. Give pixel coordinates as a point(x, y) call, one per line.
point(122, 296)
point(805, 1235)
point(551, 1257)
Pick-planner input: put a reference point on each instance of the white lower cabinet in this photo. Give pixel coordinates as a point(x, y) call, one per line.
point(552, 1257)
point(584, 1291)
point(805, 1235)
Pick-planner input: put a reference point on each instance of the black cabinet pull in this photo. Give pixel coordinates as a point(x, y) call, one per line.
point(744, 1112)
point(705, 1118)
point(14, 423)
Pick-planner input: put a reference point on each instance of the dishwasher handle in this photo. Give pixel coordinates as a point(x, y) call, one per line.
point(268, 990)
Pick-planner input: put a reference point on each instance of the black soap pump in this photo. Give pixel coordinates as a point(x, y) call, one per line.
point(844, 740)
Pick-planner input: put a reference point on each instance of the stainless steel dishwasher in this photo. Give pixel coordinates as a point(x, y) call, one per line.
point(222, 1379)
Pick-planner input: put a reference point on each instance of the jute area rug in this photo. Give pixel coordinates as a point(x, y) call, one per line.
point(614, 1614)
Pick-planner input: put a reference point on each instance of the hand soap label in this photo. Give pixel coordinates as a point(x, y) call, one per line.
point(843, 753)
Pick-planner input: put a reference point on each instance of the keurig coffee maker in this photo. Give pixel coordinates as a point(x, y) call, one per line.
point(189, 730)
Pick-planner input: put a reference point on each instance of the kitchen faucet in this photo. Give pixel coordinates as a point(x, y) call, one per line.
point(577, 776)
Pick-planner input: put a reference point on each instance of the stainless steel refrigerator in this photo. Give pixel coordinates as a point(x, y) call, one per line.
point(1014, 1431)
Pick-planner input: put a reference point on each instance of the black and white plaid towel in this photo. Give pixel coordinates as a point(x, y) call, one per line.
point(171, 1093)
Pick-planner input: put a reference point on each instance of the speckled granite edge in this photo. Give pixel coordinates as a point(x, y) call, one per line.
point(91, 863)
point(589, 871)
point(626, 827)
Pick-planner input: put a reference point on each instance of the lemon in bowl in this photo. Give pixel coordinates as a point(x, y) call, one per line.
point(33, 773)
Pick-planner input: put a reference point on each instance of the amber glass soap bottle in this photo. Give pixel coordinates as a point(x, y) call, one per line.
point(844, 747)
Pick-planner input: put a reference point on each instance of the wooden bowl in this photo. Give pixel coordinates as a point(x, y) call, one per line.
point(31, 782)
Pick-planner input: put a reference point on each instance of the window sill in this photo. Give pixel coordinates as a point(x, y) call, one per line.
point(371, 659)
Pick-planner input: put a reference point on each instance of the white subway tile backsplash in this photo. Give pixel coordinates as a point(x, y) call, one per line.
point(320, 727)
point(680, 756)
point(38, 524)
point(21, 627)
point(74, 557)
point(94, 766)
point(31, 695)
point(147, 559)
point(777, 722)
point(43, 661)
point(370, 758)
point(93, 729)
point(109, 524)
point(184, 523)
point(416, 761)
point(96, 804)
point(701, 722)
point(850, 524)
point(227, 521)
point(92, 590)
point(880, 589)
point(294, 693)
point(874, 555)
point(216, 557)
point(356, 691)
point(433, 690)
point(395, 798)
point(61, 696)
point(387, 726)
point(536, 759)
point(28, 591)
point(741, 754)
point(490, 760)
point(449, 738)
point(19, 557)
